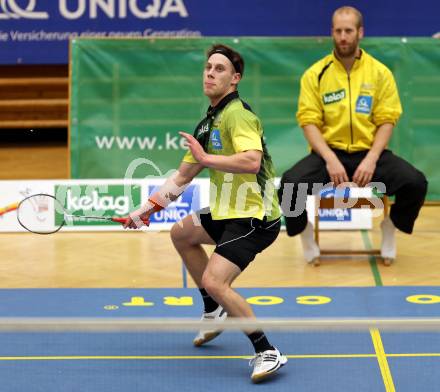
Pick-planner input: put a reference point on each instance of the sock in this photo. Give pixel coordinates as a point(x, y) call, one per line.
point(259, 341)
point(310, 247)
point(388, 247)
point(210, 304)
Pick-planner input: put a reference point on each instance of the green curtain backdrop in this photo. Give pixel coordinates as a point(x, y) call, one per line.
point(130, 97)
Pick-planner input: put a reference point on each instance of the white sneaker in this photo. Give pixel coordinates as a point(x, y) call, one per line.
point(205, 336)
point(266, 363)
point(388, 247)
point(310, 247)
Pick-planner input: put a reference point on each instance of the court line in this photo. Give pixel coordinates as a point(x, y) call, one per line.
point(207, 357)
point(120, 357)
point(413, 355)
point(184, 276)
point(382, 360)
point(372, 259)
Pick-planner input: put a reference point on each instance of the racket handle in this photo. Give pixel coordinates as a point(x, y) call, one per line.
point(123, 220)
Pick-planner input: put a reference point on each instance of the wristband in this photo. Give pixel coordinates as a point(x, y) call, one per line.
point(168, 192)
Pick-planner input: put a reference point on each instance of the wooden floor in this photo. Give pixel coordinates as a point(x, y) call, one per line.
point(25, 161)
point(138, 259)
point(147, 259)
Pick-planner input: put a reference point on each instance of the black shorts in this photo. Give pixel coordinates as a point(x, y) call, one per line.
point(240, 239)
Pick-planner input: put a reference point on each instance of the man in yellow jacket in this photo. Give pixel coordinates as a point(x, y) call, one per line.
point(348, 107)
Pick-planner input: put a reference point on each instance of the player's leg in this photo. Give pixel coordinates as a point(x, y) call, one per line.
point(217, 280)
point(188, 236)
point(241, 241)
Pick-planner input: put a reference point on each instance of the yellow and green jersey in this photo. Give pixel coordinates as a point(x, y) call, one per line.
point(240, 195)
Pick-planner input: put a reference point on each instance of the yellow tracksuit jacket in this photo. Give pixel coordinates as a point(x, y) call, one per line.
point(348, 108)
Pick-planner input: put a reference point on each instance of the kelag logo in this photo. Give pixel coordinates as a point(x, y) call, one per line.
point(337, 214)
point(96, 200)
point(334, 96)
point(186, 203)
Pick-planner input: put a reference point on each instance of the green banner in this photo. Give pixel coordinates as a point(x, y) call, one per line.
point(96, 200)
point(130, 97)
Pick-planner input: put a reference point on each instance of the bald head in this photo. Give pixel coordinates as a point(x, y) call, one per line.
point(349, 10)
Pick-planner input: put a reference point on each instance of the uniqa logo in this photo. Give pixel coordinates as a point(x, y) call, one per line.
point(9, 9)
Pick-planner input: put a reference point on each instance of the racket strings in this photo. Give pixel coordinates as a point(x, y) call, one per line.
point(41, 205)
point(36, 214)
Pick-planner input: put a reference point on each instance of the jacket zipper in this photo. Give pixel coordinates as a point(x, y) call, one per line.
point(351, 118)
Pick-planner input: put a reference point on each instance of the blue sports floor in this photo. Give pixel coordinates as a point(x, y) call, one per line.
point(318, 361)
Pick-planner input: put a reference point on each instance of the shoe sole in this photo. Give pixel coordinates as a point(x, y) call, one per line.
point(262, 376)
point(208, 337)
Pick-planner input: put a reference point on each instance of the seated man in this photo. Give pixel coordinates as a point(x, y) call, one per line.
point(348, 107)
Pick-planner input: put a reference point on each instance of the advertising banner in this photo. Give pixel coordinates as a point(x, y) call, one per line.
point(98, 198)
point(119, 197)
point(38, 31)
point(342, 218)
point(130, 98)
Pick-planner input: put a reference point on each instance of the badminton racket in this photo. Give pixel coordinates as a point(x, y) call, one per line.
point(44, 214)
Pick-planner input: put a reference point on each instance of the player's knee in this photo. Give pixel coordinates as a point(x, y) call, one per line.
point(211, 284)
point(179, 234)
point(208, 281)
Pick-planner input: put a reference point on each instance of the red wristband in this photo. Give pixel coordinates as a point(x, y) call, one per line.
point(156, 207)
